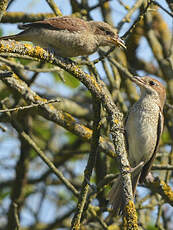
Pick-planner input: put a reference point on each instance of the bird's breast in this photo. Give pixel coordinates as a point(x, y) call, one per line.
point(64, 43)
point(141, 129)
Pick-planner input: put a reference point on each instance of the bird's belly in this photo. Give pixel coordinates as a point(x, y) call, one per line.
point(142, 136)
point(64, 44)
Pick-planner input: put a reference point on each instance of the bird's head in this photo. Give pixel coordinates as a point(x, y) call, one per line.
point(151, 86)
point(106, 34)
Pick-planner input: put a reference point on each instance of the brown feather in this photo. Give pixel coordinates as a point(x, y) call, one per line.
point(58, 23)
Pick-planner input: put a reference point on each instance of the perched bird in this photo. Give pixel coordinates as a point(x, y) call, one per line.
point(68, 36)
point(143, 128)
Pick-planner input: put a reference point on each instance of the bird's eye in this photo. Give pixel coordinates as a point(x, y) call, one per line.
point(106, 31)
point(152, 83)
point(109, 32)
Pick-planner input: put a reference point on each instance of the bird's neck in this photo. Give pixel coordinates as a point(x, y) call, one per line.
point(147, 99)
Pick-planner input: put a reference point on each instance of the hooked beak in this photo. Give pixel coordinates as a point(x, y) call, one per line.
point(119, 42)
point(138, 81)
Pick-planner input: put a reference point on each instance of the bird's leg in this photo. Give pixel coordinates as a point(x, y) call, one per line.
point(137, 167)
point(131, 170)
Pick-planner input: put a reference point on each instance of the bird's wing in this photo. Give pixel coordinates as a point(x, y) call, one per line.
point(58, 23)
point(148, 165)
point(125, 134)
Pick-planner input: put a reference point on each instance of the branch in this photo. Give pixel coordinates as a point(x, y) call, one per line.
point(160, 187)
point(50, 113)
point(89, 167)
point(99, 90)
point(3, 6)
point(31, 143)
point(18, 17)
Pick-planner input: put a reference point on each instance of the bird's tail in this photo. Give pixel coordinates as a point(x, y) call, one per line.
point(12, 37)
point(116, 194)
point(22, 36)
point(116, 197)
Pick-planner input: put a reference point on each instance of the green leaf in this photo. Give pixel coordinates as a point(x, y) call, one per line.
point(4, 194)
point(69, 80)
point(1, 33)
point(151, 227)
point(166, 138)
point(71, 137)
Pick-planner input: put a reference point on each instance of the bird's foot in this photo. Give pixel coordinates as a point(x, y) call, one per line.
point(50, 50)
point(137, 167)
point(131, 170)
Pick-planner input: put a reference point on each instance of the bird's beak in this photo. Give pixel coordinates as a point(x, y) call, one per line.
point(119, 42)
point(138, 81)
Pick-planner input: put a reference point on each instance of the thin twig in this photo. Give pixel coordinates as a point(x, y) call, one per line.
point(89, 167)
point(31, 142)
point(29, 106)
point(161, 7)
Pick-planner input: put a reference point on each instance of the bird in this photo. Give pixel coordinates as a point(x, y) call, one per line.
point(143, 129)
point(68, 36)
